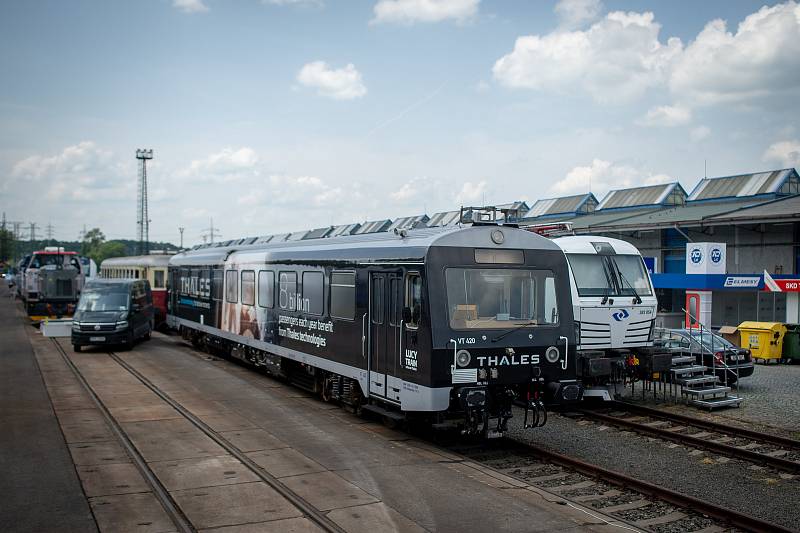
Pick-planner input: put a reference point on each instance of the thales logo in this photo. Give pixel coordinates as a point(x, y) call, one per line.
point(620, 315)
point(696, 256)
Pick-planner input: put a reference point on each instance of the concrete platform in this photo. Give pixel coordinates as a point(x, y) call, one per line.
point(363, 476)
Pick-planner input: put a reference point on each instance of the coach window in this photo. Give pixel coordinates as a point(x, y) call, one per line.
point(313, 299)
point(266, 288)
point(158, 279)
point(231, 286)
point(216, 288)
point(287, 297)
point(343, 295)
point(414, 298)
point(248, 287)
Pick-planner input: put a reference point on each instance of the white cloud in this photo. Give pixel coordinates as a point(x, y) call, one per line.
point(667, 115)
point(411, 11)
point(616, 60)
point(303, 191)
point(340, 84)
point(699, 133)
point(80, 172)
point(602, 176)
point(417, 191)
point(762, 58)
point(787, 152)
point(574, 14)
point(471, 193)
point(190, 6)
point(304, 3)
point(224, 166)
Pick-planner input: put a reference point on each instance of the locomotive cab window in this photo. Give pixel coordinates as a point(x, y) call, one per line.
point(248, 287)
point(231, 286)
point(158, 279)
point(491, 298)
point(413, 300)
point(343, 295)
point(266, 288)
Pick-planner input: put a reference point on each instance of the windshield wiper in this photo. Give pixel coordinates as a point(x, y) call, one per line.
point(512, 330)
point(637, 298)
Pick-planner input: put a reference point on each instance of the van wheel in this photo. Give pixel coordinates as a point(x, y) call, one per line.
point(76, 347)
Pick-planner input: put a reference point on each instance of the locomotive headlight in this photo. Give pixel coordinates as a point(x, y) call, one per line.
point(463, 358)
point(552, 354)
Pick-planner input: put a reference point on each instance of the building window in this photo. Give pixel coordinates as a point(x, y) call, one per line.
point(248, 287)
point(266, 288)
point(343, 295)
point(287, 297)
point(231, 286)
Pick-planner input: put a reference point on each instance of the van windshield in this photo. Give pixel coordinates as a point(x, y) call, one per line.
point(104, 298)
point(494, 298)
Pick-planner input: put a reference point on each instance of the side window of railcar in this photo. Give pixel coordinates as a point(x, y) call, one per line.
point(414, 298)
point(266, 288)
point(248, 287)
point(377, 300)
point(216, 288)
point(184, 275)
point(158, 279)
point(343, 295)
point(313, 300)
point(287, 297)
point(231, 286)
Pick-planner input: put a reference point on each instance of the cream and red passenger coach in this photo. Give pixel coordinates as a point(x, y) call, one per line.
point(153, 268)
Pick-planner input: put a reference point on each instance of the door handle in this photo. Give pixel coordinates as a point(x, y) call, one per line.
point(566, 352)
point(363, 335)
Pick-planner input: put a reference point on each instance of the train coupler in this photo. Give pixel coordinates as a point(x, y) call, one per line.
point(535, 411)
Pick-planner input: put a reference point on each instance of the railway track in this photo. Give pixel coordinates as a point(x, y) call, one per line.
point(172, 509)
point(773, 451)
point(640, 504)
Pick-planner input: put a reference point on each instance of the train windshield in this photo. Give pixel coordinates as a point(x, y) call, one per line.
point(494, 298)
point(104, 298)
point(609, 275)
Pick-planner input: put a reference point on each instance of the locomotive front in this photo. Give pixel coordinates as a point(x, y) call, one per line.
point(502, 326)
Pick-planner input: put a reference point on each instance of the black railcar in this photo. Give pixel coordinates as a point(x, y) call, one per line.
point(447, 324)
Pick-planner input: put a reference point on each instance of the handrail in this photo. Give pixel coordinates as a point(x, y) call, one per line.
point(725, 366)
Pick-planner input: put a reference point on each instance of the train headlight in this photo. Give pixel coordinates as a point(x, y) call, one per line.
point(552, 354)
point(463, 358)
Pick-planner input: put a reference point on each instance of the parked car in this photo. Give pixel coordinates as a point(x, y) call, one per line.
point(710, 350)
point(113, 311)
point(11, 278)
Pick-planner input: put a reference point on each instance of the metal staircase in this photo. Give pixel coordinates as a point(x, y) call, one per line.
point(699, 387)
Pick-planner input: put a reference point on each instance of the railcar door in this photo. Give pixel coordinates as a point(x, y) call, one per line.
point(384, 320)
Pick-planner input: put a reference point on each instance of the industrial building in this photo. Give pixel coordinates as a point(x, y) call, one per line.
point(707, 249)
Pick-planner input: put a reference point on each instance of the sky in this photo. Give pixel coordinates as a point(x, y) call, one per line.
point(273, 116)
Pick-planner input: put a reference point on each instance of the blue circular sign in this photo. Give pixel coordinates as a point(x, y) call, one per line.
point(696, 255)
point(716, 255)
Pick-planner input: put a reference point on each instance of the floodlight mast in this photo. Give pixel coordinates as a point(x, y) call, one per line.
point(142, 218)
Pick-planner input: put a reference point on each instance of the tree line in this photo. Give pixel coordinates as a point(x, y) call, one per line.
point(93, 245)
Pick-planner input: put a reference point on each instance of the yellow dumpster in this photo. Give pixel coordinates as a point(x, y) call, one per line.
point(764, 339)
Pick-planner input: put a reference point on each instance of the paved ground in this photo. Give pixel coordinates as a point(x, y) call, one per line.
point(362, 475)
point(39, 488)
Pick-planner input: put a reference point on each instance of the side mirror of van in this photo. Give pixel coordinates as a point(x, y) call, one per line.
point(406, 315)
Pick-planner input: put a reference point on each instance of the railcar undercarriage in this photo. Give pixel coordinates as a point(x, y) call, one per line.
point(476, 410)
